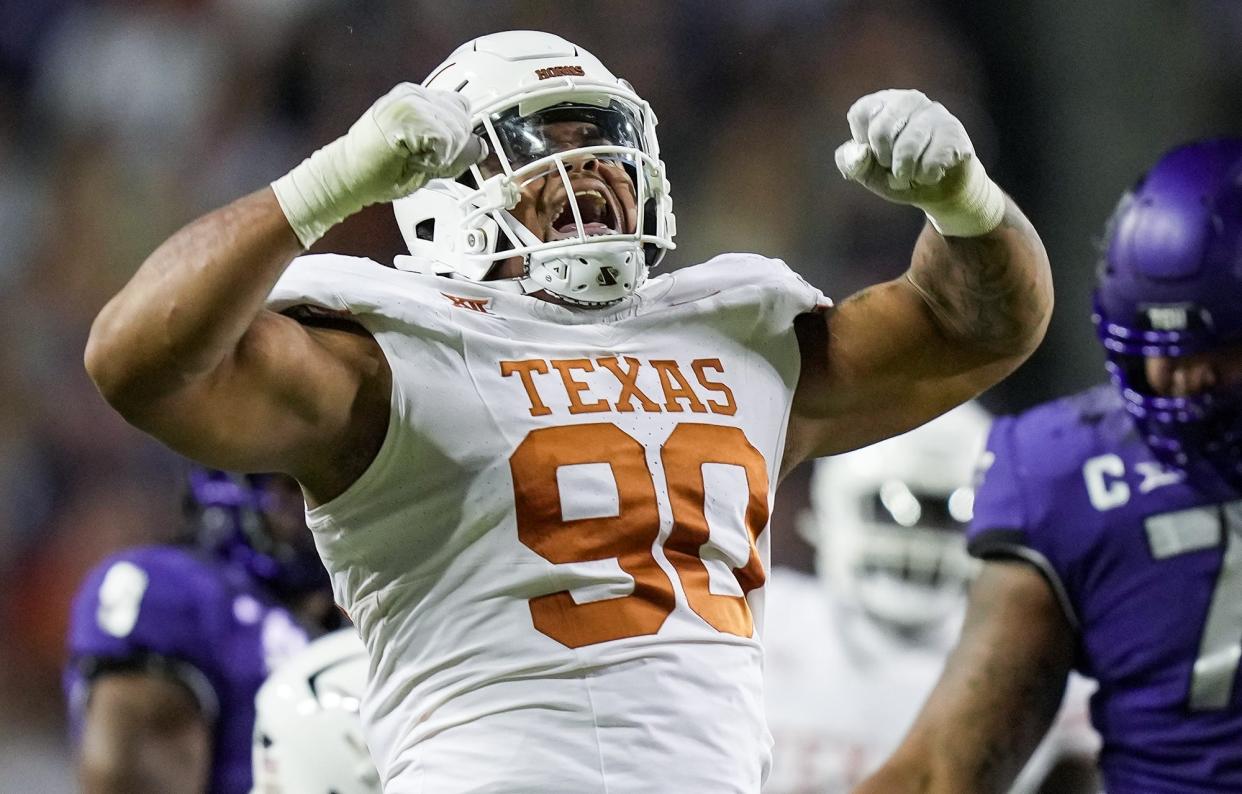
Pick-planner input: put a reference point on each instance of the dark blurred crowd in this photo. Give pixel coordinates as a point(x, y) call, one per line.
point(122, 119)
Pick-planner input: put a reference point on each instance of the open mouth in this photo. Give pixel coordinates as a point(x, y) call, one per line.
point(596, 205)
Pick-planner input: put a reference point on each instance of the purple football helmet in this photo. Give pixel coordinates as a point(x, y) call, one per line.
point(256, 521)
point(1170, 284)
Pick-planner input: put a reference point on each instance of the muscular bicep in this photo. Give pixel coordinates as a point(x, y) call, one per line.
point(143, 732)
point(284, 396)
point(876, 366)
point(966, 313)
point(998, 693)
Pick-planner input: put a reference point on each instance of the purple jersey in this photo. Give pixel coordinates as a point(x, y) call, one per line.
point(200, 620)
point(1148, 567)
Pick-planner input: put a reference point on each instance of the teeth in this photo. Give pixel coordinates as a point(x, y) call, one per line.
point(584, 199)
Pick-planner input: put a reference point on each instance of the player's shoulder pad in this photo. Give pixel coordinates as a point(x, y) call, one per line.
point(1029, 458)
point(332, 266)
point(740, 269)
point(1054, 438)
point(151, 598)
point(345, 285)
point(351, 287)
point(317, 279)
point(741, 279)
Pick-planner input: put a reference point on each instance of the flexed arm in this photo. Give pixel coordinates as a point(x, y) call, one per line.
point(186, 352)
point(974, 303)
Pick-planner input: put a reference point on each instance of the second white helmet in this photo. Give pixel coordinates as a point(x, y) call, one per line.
point(553, 116)
point(308, 732)
point(888, 520)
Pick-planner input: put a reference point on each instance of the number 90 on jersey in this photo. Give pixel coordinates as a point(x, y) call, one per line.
point(629, 535)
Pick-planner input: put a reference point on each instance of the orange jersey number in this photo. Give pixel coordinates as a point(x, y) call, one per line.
point(630, 535)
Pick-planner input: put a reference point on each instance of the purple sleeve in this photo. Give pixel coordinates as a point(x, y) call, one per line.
point(146, 609)
point(1004, 526)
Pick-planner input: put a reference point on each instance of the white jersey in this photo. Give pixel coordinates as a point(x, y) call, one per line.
point(556, 559)
point(842, 691)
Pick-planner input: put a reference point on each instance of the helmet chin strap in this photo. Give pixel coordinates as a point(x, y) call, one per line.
point(525, 237)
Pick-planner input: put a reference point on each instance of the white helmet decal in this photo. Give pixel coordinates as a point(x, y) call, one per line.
point(888, 520)
point(559, 123)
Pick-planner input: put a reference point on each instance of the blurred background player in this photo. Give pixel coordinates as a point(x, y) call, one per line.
point(851, 654)
point(308, 732)
point(1111, 524)
point(168, 644)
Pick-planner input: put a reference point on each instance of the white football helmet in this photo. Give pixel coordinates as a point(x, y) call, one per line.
point(307, 732)
point(889, 520)
point(562, 126)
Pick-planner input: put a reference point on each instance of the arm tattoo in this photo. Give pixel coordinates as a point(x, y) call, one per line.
point(994, 291)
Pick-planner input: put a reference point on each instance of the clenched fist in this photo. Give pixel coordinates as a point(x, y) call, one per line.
point(910, 150)
point(410, 135)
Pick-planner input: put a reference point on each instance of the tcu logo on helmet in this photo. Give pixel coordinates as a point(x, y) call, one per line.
point(1168, 318)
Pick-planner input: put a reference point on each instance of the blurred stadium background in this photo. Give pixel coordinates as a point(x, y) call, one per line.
point(122, 119)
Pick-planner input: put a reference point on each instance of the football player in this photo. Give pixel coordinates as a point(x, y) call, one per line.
point(168, 644)
point(851, 654)
point(307, 730)
point(1111, 524)
point(540, 480)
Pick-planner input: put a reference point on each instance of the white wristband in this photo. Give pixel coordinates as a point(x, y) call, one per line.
point(977, 209)
point(311, 206)
point(409, 135)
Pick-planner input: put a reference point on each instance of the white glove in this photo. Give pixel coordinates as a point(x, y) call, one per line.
point(410, 135)
point(910, 150)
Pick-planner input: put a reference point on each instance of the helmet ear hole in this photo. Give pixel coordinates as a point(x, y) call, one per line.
point(426, 229)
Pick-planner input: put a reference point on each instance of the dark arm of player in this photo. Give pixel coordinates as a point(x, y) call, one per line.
point(144, 733)
point(190, 304)
point(965, 314)
point(186, 352)
point(1073, 773)
point(997, 696)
